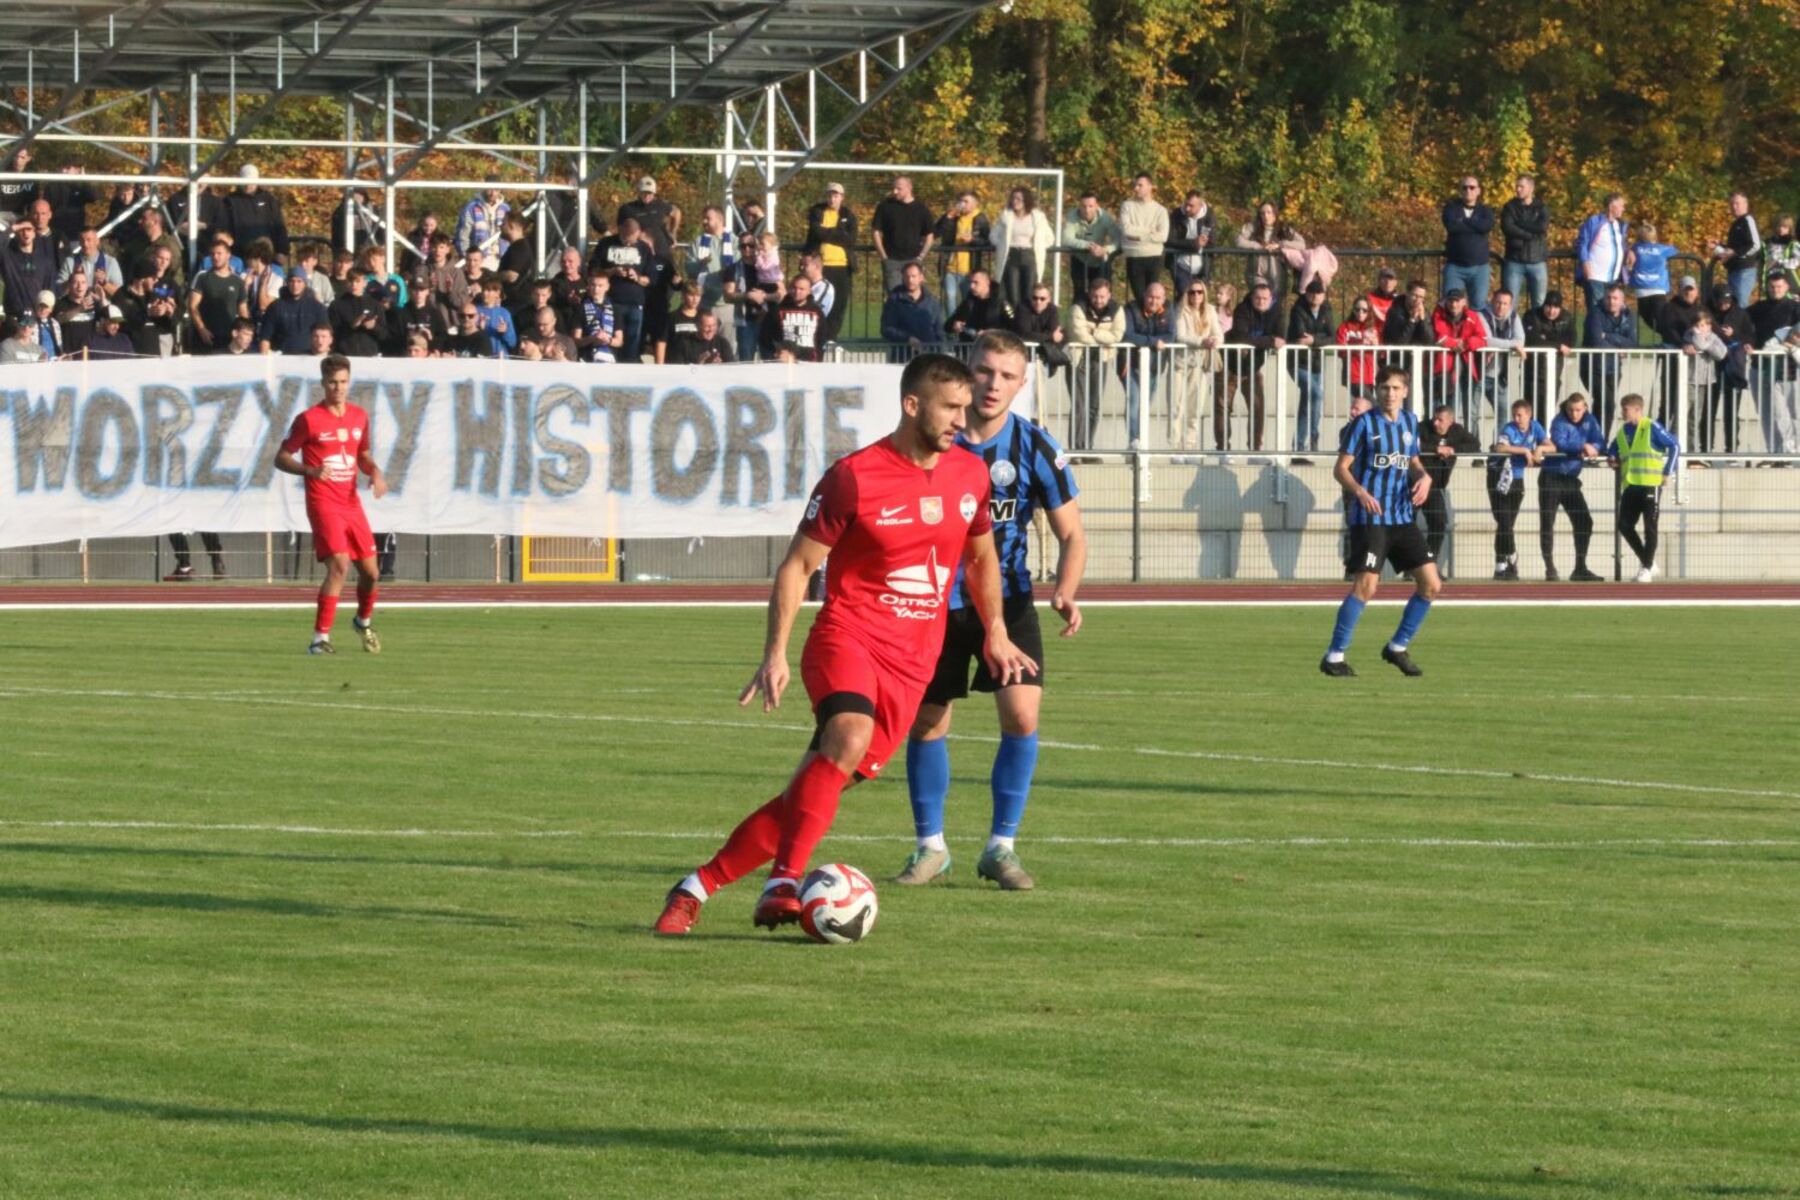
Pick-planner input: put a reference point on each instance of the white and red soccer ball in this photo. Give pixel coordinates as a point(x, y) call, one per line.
point(837, 904)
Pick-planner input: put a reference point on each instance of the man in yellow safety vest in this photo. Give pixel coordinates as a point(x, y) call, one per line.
point(1646, 454)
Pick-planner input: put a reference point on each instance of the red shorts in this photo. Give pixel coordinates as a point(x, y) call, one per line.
point(340, 531)
point(833, 664)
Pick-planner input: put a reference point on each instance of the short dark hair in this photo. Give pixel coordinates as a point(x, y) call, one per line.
point(1631, 400)
point(1417, 283)
point(1001, 341)
point(325, 325)
point(1392, 371)
point(331, 364)
point(1524, 404)
point(929, 372)
point(243, 323)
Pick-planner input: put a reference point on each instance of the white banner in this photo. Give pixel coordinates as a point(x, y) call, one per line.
point(115, 449)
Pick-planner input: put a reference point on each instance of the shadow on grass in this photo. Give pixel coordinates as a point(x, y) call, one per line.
point(278, 906)
point(1183, 788)
point(737, 1143)
point(596, 867)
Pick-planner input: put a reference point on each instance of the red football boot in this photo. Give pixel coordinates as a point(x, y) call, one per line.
point(780, 905)
point(679, 913)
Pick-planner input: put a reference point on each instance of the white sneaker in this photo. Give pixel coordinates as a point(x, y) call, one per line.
point(1645, 575)
point(1655, 570)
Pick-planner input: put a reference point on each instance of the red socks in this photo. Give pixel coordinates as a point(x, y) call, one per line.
point(812, 805)
point(750, 845)
point(365, 603)
point(327, 614)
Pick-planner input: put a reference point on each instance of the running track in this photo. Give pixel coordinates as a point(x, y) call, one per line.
point(702, 593)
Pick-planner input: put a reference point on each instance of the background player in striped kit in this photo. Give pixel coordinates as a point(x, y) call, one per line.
point(1029, 472)
point(1379, 467)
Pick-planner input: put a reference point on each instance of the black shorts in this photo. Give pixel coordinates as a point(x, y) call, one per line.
point(1402, 545)
point(963, 640)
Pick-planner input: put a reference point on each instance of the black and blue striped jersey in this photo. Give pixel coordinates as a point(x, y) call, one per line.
point(1382, 452)
point(1028, 471)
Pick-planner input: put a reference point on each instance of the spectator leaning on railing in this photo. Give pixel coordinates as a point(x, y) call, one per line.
point(1198, 328)
point(1611, 326)
point(1096, 321)
point(1504, 330)
point(1313, 325)
point(1360, 334)
point(1769, 317)
point(981, 309)
point(910, 316)
point(1269, 234)
point(1148, 326)
point(1257, 323)
point(1441, 440)
point(18, 343)
point(1705, 351)
point(1041, 323)
point(1091, 237)
point(1732, 323)
point(1409, 318)
point(1521, 443)
point(1525, 226)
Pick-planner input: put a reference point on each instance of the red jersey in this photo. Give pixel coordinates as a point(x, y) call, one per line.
point(896, 532)
point(321, 438)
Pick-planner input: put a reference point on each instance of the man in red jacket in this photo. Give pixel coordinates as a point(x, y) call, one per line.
point(1453, 373)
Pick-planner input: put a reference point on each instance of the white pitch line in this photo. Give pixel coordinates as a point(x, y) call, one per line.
point(754, 725)
point(686, 835)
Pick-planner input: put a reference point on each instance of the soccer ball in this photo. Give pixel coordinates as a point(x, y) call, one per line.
point(837, 905)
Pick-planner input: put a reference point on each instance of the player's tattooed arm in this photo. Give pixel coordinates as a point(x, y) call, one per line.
point(981, 576)
point(771, 678)
point(1065, 523)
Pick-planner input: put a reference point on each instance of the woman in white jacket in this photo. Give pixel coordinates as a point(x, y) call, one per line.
point(1022, 236)
point(1197, 327)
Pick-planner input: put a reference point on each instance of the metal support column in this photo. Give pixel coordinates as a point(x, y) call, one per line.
point(769, 186)
point(349, 230)
point(543, 168)
point(193, 189)
point(581, 200)
point(387, 181)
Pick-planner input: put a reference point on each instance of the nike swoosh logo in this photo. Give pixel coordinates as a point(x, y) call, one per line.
point(888, 512)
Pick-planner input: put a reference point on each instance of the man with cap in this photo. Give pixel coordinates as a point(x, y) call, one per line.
point(1549, 338)
point(108, 339)
point(831, 234)
point(253, 212)
point(653, 214)
point(1386, 291)
point(49, 331)
point(1679, 313)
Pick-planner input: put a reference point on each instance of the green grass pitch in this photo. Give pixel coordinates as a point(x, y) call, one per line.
point(376, 926)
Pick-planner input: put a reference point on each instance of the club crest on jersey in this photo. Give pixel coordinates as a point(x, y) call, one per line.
point(343, 434)
point(967, 507)
point(1003, 473)
point(931, 509)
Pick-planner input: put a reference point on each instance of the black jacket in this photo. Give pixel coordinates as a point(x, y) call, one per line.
point(1742, 241)
point(1180, 242)
point(1322, 325)
point(1255, 329)
point(1541, 330)
point(1676, 318)
point(1466, 234)
point(1526, 228)
point(980, 241)
point(1037, 325)
point(250, 216)
point(1402, 330)
point(977, 315)
point(351, 336)
point(1768, 315)
point(842, 235)
point(68, 209)
point(1458, 439)
point(1733, 325)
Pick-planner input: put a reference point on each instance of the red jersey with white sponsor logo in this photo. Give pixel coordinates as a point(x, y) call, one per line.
point(333, 441)
point(896, 532)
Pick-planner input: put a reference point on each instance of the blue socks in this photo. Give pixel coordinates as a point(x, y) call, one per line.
point(1416, 611)
point(1013, 765)
point(1349, 613)
point(927, 783)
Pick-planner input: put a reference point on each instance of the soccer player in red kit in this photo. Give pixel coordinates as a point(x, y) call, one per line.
point(332, 441)
point(895, 516)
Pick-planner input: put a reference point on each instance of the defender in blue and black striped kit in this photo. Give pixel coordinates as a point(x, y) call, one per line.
point(1384, 482)
point(1028, 473)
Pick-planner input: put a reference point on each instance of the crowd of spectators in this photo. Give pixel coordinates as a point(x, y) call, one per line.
point(468, 284)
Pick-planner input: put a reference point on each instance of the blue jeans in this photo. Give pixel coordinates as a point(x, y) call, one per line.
point(1743, 284)
point(1133, 408)
point(631, 320)
point(1310, 409)
point(746, 342)
point(954, 287)
point(1514, 276)
point(1472, 280)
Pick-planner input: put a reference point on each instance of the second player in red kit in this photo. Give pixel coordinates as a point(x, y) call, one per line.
point(328, 445)
point(896, 517)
